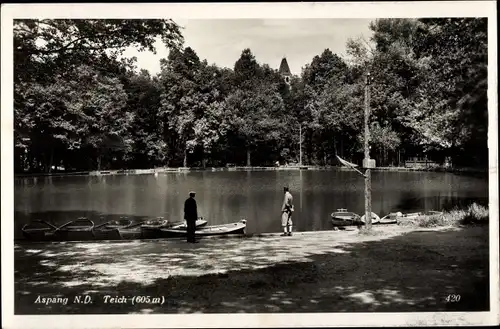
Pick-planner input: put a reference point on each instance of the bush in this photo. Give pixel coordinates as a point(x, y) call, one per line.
point(474, 214)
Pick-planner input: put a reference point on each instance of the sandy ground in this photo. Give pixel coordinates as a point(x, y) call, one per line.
point(395, 269)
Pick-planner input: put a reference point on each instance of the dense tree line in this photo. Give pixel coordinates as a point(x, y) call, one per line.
point(80, 106)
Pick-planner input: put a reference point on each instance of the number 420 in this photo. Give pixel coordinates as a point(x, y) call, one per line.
point(452, 298)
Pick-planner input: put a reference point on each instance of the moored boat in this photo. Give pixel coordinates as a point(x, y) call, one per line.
point(131, 232)
point(224, 229)
point(374, 216)
point(123, 222)
point(111, 230)
point(84, 229)
point(391, 218)
point(396, 217)
point(410, 215)
point(150, 229)
point(200, 223)
point(39, 230)
point(342, 217)
point(81, 229)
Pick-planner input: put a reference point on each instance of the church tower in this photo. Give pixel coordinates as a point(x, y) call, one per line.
point(284, 71)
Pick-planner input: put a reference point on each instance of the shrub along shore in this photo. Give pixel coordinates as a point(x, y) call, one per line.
point(473, 214)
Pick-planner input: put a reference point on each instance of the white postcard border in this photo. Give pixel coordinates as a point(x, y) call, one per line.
point(233, 11)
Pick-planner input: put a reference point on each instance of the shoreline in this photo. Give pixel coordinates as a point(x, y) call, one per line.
point(240, 168)
point(265, 274)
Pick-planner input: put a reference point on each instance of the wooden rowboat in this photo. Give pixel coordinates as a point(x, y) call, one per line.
point(150, 229)
point(111, 230)
point(200, 222)
point(396, 217)
point(81, 229)
point(224, 229)
point(123, 222)
point(391, 218)
point(342, 217)
point(39, 230)
point(374, 216)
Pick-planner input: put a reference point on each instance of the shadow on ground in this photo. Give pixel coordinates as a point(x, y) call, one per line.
point(330, 273)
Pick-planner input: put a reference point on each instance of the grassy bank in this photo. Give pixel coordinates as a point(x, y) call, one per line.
point(475, 214)
point(402, 270)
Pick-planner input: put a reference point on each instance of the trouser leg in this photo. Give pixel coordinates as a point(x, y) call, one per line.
point(284, 221)
point(190, 231)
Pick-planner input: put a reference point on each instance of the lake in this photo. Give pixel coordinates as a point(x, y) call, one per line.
point(228, 196)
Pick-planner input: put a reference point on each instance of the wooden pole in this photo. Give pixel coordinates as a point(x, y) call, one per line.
point(300, 144)
point(368, 183)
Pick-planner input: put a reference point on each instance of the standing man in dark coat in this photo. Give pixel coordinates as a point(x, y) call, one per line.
point(191, 215)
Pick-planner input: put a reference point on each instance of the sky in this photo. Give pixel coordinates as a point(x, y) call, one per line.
point(221, 41)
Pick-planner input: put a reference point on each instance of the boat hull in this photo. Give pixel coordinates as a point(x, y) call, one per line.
point(217, 230)
point(154, 232)
point(200, 223)
point(387, 221)
point(39, 234)
point(74, 235)
point(374, 217)
point(39, 230)
point(347, 222)
point(107, 234)
point(395, 218)
point(345, 218)
point(130, 234)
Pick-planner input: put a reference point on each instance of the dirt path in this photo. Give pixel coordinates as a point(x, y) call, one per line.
point(397, 270)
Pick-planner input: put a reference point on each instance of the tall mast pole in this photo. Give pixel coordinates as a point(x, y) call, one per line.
point(368, 183)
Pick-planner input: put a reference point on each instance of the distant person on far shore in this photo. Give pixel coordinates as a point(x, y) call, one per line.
point(190, 215)
point(286, 213)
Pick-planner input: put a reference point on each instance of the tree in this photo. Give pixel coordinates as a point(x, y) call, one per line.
point(323, 81)
point(254, 111)
point(78, 99)
point(429, 82)
point(179, 99)
point(246, 70)
point(208, 127)
point(85, 112)
point(325, 69)
point(456, 50)
point(254, 116)
point(48, 54)
point(144, 92)
point(192, 103)
point(396, 73)
point(60, 45)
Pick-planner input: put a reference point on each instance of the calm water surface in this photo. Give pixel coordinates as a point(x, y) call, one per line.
point(225, 197)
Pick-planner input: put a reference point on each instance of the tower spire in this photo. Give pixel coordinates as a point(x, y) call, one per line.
point(284, 70)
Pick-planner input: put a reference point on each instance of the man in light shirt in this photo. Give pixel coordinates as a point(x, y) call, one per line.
point(286, 213)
